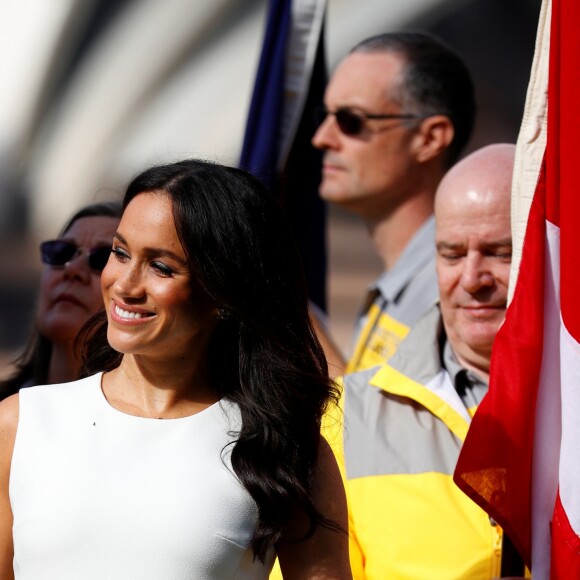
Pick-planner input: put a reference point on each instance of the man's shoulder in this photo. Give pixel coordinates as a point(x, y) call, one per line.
point(418, 355)
point(409, 291)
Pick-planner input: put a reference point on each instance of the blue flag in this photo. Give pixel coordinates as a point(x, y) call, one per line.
point(289, 85)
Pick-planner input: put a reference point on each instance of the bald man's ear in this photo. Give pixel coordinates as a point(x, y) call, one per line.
point(434, 135)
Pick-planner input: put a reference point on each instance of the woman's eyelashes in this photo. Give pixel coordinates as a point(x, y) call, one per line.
point(162, 269)
point(159, 268)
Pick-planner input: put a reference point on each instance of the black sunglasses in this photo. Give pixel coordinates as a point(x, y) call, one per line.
point(60, 253)
point(352, 122)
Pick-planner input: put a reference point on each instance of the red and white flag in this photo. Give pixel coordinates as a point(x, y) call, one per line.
point(521, 458)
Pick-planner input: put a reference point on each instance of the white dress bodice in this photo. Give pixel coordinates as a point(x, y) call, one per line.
point(99, 494)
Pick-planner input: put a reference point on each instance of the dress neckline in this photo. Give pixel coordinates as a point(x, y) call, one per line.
point(104, 403)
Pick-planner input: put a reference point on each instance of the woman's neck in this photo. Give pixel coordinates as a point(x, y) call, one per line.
point(141, 388)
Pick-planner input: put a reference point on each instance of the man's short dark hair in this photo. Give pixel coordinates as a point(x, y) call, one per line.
point(436, 81)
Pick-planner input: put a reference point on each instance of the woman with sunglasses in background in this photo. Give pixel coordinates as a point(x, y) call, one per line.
point(70, 293)
point(191, 449)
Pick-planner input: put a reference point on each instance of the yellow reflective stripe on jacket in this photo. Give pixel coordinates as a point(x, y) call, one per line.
point(378, 340)
point(389, 379)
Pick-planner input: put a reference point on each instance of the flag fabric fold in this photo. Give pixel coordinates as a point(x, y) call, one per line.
point(520, 459)
point(290, 83)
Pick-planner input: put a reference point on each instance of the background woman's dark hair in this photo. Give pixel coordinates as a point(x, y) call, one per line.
point(264, 354)
point(33, 364)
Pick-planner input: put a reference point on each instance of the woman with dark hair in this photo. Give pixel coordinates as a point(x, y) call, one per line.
point(192, 447)
point(70, 293)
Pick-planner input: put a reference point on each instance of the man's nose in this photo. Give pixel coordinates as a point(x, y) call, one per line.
point(476, 273)
point(325, 136)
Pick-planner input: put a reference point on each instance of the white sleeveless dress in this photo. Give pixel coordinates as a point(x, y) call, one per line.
point(99, 494)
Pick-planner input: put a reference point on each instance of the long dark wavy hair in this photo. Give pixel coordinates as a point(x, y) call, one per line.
point(263, 354)
point(33, 364)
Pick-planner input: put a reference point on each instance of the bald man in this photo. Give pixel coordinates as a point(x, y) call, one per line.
point(404, 423)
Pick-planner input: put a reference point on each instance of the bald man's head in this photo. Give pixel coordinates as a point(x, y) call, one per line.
point(473, 238)
point(487, 171)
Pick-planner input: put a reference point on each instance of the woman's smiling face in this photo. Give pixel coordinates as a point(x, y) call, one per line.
point(155, 307)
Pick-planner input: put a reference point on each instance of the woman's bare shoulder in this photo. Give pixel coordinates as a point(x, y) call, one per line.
point(9, 408)
point(8, 425)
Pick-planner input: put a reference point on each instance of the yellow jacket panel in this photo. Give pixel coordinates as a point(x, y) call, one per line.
point(397, 445)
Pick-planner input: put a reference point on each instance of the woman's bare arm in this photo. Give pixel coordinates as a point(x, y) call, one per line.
point(323, 556)
point(8, 425)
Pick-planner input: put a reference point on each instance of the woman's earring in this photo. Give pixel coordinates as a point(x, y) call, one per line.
point(222, 314)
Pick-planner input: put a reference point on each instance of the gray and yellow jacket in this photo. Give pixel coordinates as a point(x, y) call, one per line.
point(396, 301)
point(402, 428)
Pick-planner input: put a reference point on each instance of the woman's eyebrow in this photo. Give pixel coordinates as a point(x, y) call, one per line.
point(155, 252)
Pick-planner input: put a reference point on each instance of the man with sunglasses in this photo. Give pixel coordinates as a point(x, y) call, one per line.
point(399, 109)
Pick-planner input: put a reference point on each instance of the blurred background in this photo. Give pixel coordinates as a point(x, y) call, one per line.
point(93, 91)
